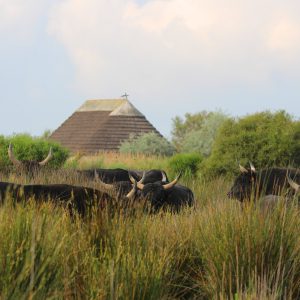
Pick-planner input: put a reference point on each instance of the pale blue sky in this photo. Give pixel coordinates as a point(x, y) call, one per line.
point(170, 56)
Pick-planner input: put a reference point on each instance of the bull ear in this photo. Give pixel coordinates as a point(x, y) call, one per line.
point(164, 176)
point(242, 169)
point(252, 168)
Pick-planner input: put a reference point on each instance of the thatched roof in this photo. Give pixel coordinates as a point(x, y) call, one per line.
point(101, 125)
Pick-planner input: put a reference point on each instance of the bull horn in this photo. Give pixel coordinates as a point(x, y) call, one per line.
point(143, 178)
point(131, 194)
point(106, 186)
point(46, 160)
point(242, 169)
point(140, 184)
point(171, 184)
point(293, 184)
point(252, 168)
point(11, 156)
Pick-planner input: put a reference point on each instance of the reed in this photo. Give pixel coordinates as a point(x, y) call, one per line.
point(219, 250)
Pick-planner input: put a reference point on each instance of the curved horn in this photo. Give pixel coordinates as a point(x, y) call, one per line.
point(252, 168)
point(242, 169)
point(171, 184)
point(293, 184)
point(103, 185)
point(46, 160)
point(11, 155)
point(131, 194)
point(139, 184)
point(143, 178)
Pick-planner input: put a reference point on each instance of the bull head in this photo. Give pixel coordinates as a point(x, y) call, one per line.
point(166, 186)
point(19, 163)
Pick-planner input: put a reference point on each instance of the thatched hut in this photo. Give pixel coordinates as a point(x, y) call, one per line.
point(101, 125)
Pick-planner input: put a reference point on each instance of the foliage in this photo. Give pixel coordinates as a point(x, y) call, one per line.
point(265, 139)
point(26, 147)
point(201, 140)
point(148, 143)
point(192, 122)
point(188, 163)
point(46, 134)
point(196, 132)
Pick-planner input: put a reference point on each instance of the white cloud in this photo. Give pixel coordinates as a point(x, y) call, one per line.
point(186, 51)
point(284, 37)
point(19, 17)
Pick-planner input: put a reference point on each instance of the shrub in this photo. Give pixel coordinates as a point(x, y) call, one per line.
point(265, 139)
point(30, 148)
point(188, 163)
point(148, 143)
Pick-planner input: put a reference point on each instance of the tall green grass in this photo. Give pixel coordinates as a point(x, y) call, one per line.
point(219, 250)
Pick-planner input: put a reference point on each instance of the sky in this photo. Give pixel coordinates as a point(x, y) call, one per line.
point(170, 56)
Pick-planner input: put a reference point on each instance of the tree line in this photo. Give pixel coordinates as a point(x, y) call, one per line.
point(221, 142)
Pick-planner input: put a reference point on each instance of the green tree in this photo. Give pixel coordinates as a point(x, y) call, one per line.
point(148, 143)
point(265, 139)
point(181, 127)
point(201, 140)
point(196, 132)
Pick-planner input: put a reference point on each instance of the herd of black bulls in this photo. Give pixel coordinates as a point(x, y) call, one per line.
point(151, 187)
point(114, 186)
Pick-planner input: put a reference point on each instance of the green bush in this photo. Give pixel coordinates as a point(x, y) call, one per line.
point(148, 143)
point(29, 148)
point(265, 139)
point(188, 163)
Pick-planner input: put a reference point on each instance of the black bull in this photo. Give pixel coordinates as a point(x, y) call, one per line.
point(173, 199)
point(165, 195)
point(122, 175)
point(82, 199)
point(272, 181)
point(74, 198)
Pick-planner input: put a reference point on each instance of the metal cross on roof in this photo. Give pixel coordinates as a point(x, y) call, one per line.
point(125, 96)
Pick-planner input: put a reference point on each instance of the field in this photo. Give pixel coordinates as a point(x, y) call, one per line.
point(219, 250)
